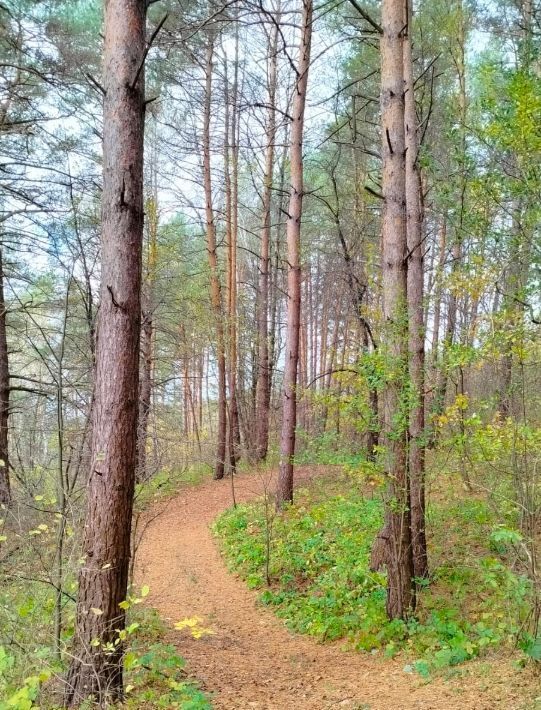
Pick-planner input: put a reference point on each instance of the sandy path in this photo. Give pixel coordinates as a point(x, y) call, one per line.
point(252, 660)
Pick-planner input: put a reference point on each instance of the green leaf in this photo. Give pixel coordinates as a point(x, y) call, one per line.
point(533, 649)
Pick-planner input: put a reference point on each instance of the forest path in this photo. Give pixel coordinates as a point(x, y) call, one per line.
point(252, 660)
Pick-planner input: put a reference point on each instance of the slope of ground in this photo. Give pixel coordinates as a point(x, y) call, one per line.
point(251, 660)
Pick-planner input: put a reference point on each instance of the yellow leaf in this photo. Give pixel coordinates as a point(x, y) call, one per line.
point(193, 624)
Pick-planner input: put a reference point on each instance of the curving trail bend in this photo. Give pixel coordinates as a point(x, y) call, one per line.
point(252, 660)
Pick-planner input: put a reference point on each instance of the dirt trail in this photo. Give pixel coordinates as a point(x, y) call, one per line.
point(252, 660)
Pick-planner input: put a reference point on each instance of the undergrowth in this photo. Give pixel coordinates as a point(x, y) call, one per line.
point(31, 672)
point(320, 582)
point(154, 673)
point(167, 482)
point(155, 676)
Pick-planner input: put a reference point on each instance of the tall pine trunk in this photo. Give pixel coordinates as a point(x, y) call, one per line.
point(234, 425)
point(263, 363)
point(393, 546)
point(284, 492)
point(103, 577)
point(215, 286)
point(415, 290)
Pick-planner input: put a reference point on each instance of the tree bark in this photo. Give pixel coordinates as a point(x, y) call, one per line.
point(232, 145)
point(5, 488)
point(215, 286)
point(263, 364)
point(284, 492)
point(395, 539)
point(415, 292)
point(103, 578)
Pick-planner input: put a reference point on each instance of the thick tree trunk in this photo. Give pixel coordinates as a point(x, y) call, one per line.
point(215, 286)
point(395, 538)
point(415, 266)
point(284, 492)
point(103, 577)
point(5, 489)
point(263, 364)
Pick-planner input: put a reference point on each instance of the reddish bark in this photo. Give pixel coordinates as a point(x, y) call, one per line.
point(415, 289)
point(103, 577)
point(215, 286)
point(263, 364)
point(284, 492)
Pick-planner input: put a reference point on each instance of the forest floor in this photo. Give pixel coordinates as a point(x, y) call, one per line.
point(251, 660)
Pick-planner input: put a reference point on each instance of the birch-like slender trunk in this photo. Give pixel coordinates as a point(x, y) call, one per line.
point(284, 492)
point(215, 286)
point(147, 337)
point(263, 364)
point(234, 427)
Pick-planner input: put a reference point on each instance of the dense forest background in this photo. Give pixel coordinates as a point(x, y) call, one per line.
point(270, 174)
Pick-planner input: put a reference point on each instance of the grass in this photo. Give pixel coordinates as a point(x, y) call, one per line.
point(320, 582)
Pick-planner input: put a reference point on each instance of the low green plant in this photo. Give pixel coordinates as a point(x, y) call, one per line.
point(157, 678)
point(321, 584)
point(154, 671)
point(24, 696)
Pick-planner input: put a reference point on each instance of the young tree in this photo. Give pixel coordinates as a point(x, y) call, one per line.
point(103, 578)
point(284, 492)
point(147, 334)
